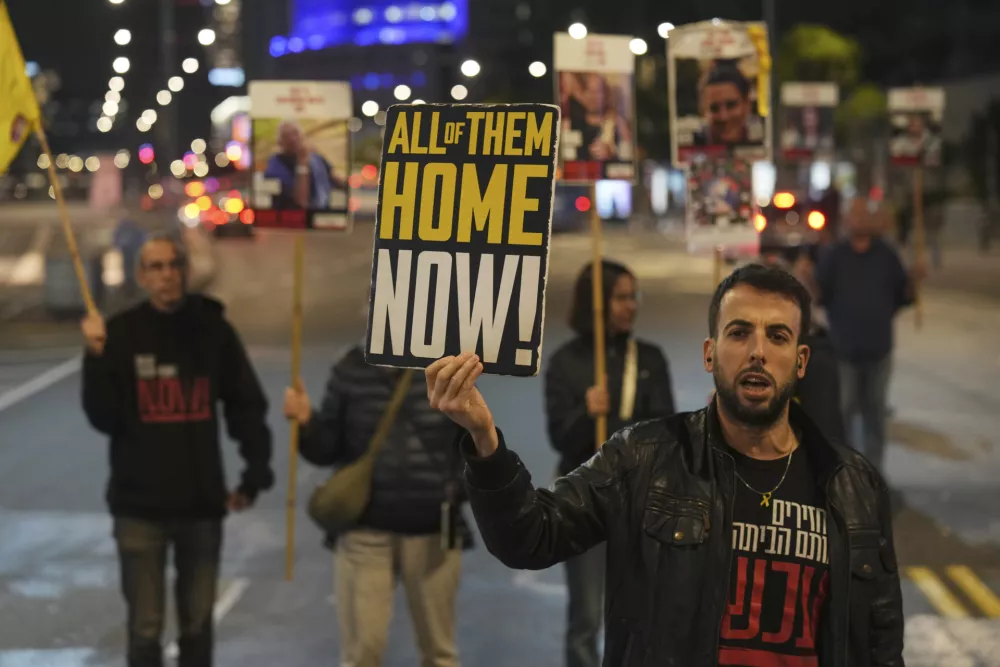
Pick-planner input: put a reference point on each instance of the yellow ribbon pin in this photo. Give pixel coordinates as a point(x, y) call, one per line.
point(758, 35)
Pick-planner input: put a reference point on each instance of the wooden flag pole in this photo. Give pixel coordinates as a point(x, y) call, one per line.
point(918, 238)
point(600, 374)
point(293, 430)
point(81, 276)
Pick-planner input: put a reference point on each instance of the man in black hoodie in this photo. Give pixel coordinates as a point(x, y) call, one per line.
point(151, 381)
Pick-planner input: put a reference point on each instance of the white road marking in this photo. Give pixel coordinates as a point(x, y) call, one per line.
point(53, 657)
point(223, 605)
point(40, 383)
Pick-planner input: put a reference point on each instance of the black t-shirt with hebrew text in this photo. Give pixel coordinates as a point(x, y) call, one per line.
point(779, 581)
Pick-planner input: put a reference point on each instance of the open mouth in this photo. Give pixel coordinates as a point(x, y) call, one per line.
point(755, 382)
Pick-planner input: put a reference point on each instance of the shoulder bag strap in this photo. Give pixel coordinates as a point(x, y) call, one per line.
point(389, 416)
point(629, 378)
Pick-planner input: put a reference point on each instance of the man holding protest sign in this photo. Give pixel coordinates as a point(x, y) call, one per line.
point(736, 534)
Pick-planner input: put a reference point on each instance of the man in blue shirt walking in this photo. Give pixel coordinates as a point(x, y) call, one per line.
point(863, 284)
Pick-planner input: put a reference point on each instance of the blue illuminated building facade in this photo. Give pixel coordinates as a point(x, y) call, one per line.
point(321, 24)
point(375, 44)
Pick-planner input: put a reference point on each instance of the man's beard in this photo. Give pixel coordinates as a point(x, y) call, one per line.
point(756, 416)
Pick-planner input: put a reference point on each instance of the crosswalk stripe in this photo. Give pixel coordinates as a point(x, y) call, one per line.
point(977, 591)
point(936, 592)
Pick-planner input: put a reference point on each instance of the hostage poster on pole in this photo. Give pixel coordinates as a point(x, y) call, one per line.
point(916, 115)
point(719, 87)
point(462, 237)
point(301, 154)
point(720, 210)
point(808, 128)
point(595, 90)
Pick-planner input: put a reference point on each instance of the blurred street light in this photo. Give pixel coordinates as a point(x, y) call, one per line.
point(110, 108)
point(177, 168)
point(142, 125)
point(43, 161)
point(93, 164)
point(201, 170)
point(206, 37)
point(116, 84)
point(190, 65)
point(116, 2)
point(122, 159)
point(537, 69)
point(164, 97)
point(199, 146)
point(664, 29)
point(578, 31)
point(76, 163)
point(402, 92)
point(123, 37)
point(149, 116)
point(222, 2)
point(104, 124)
point(175, 84)
point(418, 102)
point(459, 92)
point(369, 108)
point(113, 96)
point(121, 64)
point(470, 68)
point(638, 46)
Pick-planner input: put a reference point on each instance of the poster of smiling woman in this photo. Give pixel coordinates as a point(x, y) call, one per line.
point(719, 80)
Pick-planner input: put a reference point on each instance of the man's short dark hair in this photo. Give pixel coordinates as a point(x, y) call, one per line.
point(765, 279)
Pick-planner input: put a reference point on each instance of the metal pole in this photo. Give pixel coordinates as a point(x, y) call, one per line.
point(167, 122)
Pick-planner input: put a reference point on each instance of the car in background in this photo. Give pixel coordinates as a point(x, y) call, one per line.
point(789, 224)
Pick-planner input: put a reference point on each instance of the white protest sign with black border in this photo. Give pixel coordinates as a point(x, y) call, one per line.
point(462, 235)
point(301, 154)
point(808, 124)
point(916, 115)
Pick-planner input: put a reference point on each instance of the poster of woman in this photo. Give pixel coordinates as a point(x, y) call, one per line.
point(595, 90)
point(719, 87)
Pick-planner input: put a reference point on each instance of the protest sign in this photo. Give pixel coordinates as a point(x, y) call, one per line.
point(594, 86)
point(719, 88)
point(462, 238)
point(808, 125)
point(720, 210)
point(916, 115)
point(301, 154)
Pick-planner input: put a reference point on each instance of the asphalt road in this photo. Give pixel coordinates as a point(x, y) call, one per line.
point(59, 602)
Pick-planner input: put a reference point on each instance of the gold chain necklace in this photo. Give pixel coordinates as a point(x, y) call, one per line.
point(766, 496)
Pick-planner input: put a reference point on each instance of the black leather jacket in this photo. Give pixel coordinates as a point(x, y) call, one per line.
point(660, 494)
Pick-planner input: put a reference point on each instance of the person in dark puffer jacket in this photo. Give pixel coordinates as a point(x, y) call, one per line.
point(417, 471)
point(571, 404)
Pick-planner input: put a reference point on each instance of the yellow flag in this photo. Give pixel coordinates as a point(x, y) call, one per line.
point(18, 106)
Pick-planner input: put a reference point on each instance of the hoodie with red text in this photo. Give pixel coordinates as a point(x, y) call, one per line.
point(155, 392)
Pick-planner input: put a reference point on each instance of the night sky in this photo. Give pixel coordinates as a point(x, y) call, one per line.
point(904, 40)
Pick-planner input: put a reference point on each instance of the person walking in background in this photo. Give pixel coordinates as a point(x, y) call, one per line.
point(862, 285)
point(638, 388)
point(152, 377)
point(416, 475)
